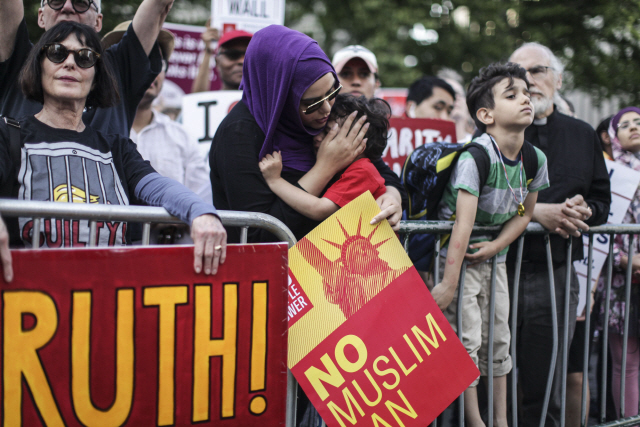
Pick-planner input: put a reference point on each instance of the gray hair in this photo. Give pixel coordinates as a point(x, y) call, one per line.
point(556, 65)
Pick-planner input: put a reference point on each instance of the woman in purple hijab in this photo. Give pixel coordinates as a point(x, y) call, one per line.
point(288, 88)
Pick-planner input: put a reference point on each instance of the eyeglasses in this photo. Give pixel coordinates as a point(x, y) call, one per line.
point(626, 125)
point(165, 65)
point(316, 105)
point(538, 71)
point(233, 54)
point(58, 53)
point(80, 6)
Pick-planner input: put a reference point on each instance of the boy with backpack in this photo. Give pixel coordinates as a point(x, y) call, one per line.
point(499, 102)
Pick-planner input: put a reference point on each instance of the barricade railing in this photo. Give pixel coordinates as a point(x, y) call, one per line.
point(244, 220)
point(148, 215)
point(440, 228)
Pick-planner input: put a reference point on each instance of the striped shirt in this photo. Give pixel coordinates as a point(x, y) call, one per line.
point(496, 202)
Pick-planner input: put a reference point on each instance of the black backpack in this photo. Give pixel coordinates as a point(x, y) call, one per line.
point(425, 175)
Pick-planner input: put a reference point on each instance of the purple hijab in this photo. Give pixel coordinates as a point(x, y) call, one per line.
point(279, 66)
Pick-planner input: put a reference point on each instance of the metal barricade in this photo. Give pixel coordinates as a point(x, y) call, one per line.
point(444, 227)
point(148, 215)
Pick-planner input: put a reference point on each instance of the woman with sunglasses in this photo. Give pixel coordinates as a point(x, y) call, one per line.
point(289, 87)
point(63, 160)
point(624, 131)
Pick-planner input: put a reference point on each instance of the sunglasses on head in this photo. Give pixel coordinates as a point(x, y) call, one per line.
point(316, 105)
point(58, 53)
point(233, 54)
point(80, 6)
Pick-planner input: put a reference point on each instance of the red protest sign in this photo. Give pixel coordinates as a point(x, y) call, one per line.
point(405, 135)
point(374, 349)
point(133, 337)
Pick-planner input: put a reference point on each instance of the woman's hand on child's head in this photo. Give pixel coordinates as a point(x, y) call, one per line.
point(343, 144)
point(485, 250)
point(271, 166)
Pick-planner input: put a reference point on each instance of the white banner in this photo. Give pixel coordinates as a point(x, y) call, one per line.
point(247, 15)
point(624, 183)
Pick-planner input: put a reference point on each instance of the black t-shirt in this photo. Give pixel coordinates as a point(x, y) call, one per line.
point(133, 69)
point(237, 182)
point(63, 165)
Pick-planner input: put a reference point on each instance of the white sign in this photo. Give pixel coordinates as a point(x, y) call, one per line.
point(624, 183)
point(203, 112)
point(248, 15)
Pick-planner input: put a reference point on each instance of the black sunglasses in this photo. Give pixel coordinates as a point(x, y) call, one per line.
point(316, 105)
point(233, 54)
point(80, 6)
point(58, 53)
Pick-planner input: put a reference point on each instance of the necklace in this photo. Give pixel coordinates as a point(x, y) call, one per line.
point(520, 203)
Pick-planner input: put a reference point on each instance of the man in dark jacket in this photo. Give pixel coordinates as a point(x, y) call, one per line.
point(578, 196)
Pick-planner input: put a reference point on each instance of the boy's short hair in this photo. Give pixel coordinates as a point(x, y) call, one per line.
point(480, 93)
point(378, 112)
point(422, 88)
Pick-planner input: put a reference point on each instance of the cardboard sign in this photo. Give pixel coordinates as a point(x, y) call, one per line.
point(203, 112)
point(187, 56)
point(405, 135)
point(624, 183)
point(247, 15)
point(133, 336)
point(367, 342)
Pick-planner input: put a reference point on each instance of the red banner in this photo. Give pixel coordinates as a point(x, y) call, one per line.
point(187, 56)
point(133, 336)
point(405, 135)
point(373, 348)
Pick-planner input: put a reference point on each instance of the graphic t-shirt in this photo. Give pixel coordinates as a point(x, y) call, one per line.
point(496, 202)
point(78, 167)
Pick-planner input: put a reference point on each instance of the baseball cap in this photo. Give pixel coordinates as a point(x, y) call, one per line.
point(346, 54)
point(166, 40)
point(233, 35)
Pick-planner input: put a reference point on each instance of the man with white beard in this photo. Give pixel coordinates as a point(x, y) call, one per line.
point(578, 196)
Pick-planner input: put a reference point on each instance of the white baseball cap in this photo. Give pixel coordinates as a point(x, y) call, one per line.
point(346, 54)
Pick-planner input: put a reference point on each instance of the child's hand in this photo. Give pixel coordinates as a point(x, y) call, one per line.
point(485, 251)
point(443, 295)
point(271, 166)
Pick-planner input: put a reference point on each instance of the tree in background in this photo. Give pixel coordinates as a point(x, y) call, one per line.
point(599, 40)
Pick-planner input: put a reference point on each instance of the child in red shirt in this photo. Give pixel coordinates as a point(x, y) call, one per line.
point(360, 176)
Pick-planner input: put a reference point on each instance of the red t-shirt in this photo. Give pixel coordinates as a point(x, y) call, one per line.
point(359, 177)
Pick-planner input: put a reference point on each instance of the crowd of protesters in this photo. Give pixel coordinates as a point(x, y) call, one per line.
point(304, 140)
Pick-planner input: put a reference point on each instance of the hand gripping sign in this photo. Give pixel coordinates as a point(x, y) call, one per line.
point(106, 337)
point(367, 342)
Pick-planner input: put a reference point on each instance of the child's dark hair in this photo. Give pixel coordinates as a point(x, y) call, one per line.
point(480, 93)
point(377, 111)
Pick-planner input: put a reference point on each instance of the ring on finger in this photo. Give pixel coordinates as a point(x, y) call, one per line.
point(217, 248)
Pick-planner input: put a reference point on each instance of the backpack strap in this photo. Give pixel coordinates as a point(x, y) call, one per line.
point(483, 162)
point(530, 160)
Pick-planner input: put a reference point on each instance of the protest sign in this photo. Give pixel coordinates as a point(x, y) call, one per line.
point(133, 336)
point(187, 56)
point(624, 183)
point(367, 342)
point(405, 135)
point(247, 15)
point(203, 112)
